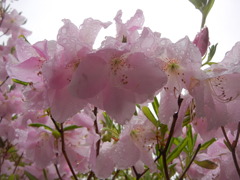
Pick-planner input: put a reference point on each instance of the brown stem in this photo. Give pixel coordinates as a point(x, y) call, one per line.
point(116, 174)
point(17, 163)
point(4, 81)
point(91, 174)
point(57, 170)
point(61, 131)
point(165, 166)
point(95, 111)
point(194, 156)
point(138, 176)
point(65, 153)
point(232, 147)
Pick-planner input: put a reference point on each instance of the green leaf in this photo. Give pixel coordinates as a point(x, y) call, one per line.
point(146, 111)
point(72, 127)
point(108, 120)
point(207, 164)
point(20, 82)
point(199, 4)
point(190, 137)
point(207, 144)
point(208, 7)
point(212, 51)
point(163, 129)
point(56, 134)
point(41, 125)
point(30, 176)
point(155, 105)
point(176, 152)
point(228, 145)
point(11, 177)
point(12, 150)
point(45, 174)
point(204, 6)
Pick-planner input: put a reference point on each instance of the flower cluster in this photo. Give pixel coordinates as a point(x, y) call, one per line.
point(69, 110)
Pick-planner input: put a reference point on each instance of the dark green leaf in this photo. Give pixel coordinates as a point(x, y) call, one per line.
point(41, 125)
point(146, 111)
point(206, 164)
point(176, 152)
point(72, 127)
point(30, 176)
point(20, 82)
point(207, 144)
point(11, 177)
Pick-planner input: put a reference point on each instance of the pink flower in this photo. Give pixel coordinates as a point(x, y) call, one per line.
point(127, 33)
point(136, 143)
point(181, 62)
point(40, 147)
point(117, 80)
point(218, 91)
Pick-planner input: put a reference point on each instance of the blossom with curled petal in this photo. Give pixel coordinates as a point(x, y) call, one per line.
point(127, 33)
point(219, 91)
point(181, 61)
point(116, 80)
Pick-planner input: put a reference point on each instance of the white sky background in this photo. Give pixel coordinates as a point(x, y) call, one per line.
point(174, 19)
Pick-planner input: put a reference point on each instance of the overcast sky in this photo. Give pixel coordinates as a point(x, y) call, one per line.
point(174, 19)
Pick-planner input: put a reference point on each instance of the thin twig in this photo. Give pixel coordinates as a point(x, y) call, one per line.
point(4, 81)
point(91, 174)
point(95, 111)
point(17, 163)
point(57, 170)
point(65, 153)
point(194, 156)
point(232, 147)
point(61, 131)
point(116, 174)
point(138, 176)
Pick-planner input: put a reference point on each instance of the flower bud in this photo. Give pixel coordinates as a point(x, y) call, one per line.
point(202, 41)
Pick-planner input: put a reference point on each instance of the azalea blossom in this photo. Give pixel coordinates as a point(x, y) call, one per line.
point(117, 80)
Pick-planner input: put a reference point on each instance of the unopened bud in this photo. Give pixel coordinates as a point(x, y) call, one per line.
point(202, 41)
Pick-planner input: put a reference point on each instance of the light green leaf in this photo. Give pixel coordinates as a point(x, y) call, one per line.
point(41, 125)
point(146, 111)
point(72, 127)
point(207, 144)
point(20, 82)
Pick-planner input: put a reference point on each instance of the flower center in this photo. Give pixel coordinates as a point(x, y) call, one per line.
point(171, 65)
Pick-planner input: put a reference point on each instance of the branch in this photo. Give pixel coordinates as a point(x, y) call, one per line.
point(195, 154)
point(232, 147)
point(58, 173)
point(61, 131)
point(17, 163)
